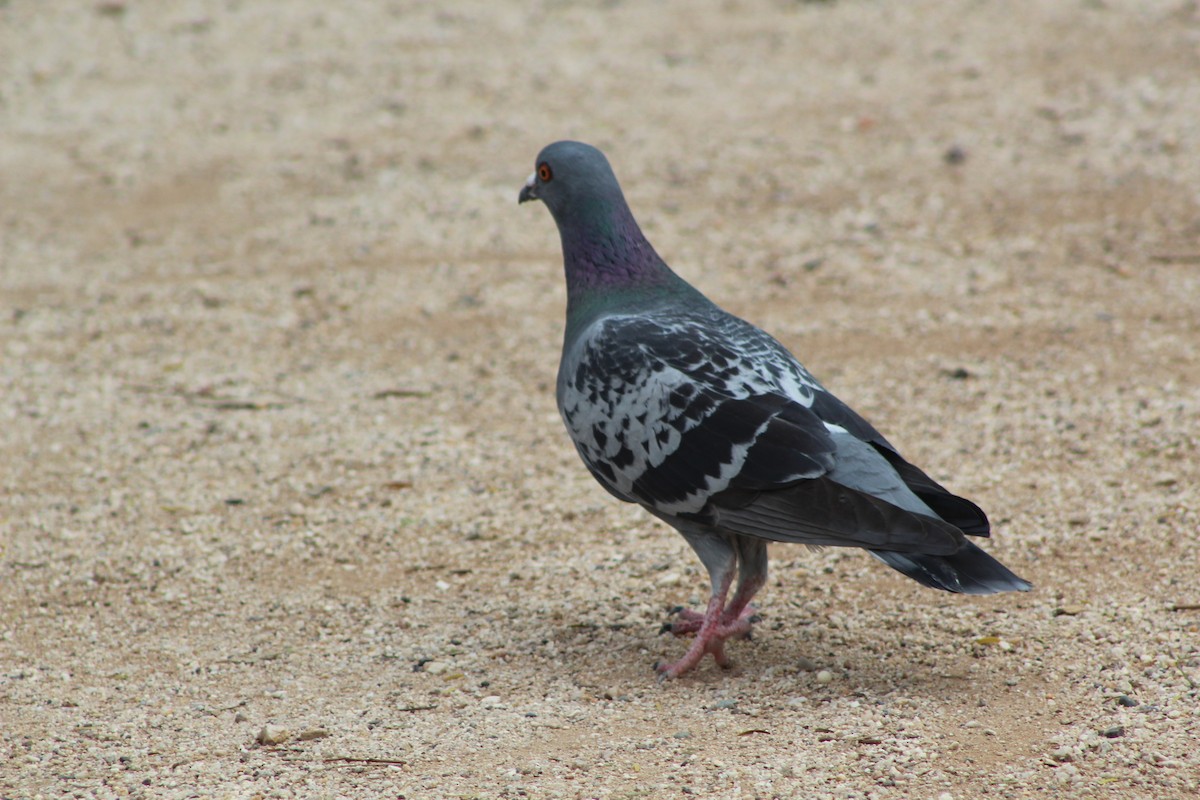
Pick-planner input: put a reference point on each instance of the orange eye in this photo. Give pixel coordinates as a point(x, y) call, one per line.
point(544, 173)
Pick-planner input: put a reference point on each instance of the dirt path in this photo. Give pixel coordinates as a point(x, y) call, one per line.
point(278, 440)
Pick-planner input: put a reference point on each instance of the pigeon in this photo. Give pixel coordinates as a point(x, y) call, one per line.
point(714, 427)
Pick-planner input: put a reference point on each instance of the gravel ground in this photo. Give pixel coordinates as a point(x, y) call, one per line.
point(287, 510)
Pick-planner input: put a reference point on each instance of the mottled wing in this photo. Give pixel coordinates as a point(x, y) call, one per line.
point(669, 414)
point(711, 419)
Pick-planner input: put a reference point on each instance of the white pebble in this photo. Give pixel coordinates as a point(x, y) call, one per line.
point(272, 734)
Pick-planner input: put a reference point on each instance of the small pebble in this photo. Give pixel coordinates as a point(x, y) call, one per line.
point(272, 734)
point(1062, 755)
point(1127, 701)
point(1113, 732)
point(240, 717)
point(824, 676)
point(436, 667)
point(313, 733)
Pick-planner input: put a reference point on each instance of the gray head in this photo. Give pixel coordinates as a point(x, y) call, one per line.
point(603, 247)
point(576, 183)
point(570, 173)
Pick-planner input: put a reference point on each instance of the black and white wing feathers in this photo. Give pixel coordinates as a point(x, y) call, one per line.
point(705, 417)
point(665, 414)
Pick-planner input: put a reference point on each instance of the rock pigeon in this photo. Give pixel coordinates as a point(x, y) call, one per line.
point(712, 426)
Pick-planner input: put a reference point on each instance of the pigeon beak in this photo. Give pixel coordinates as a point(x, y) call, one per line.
point(529, 190)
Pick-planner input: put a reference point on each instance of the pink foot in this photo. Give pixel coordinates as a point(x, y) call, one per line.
point(711, 634)
point(691, 621)
point(688, 622)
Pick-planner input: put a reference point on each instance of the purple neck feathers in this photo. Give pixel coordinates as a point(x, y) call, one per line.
point(607, 251)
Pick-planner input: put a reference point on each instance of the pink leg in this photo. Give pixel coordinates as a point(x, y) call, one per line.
point(752, 576)
point(710, 638)
point(739, 607)
point(719, 621)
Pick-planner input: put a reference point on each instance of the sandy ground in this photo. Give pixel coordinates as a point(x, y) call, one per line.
point(278, 441)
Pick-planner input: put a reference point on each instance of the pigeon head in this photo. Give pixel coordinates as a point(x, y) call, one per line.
point(572, 178)
point(603, 247)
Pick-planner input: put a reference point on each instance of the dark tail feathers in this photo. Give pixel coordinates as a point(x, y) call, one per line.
point(969, 571)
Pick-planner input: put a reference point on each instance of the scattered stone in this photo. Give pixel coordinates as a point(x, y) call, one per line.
point(994, 641)
point(1113, 732)
point(110, 9)
point(241, 717)
point(272, 734)
point(824, 676)
point(1127, 701)
point(313, 733)
point(1067, 773)
point(955, 154)
point(436, 667)
point(682, 734)
point(806, 664)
